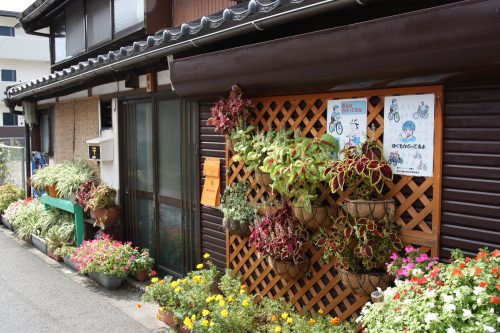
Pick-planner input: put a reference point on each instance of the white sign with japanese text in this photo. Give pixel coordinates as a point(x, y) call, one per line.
point(409, 134)
point(347, 120)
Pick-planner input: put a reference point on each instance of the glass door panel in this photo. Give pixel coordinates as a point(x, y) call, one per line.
point(169, 148)
point(171, 249)
point(144, 146)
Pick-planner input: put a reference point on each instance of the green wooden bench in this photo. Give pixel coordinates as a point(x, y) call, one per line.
point(70, 207)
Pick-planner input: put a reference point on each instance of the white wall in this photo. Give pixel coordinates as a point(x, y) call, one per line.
point(110, 170)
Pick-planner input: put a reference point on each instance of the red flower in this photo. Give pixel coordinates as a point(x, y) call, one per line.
point(397, 295)
point(153, 273)
point(498, 286)
point(495, 253)
point(483, 284)
point(467, 259)
point(457, 272)
point(398, 308)
point(495, 299)
point(462, 265)
point(440, 283)
point(495, 270)
point(477, 270)
point(419, 290)
point(414, 279)
point(422, 280)
point(482, 254)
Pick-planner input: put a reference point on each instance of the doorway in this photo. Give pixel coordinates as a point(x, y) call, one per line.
point(157, 154)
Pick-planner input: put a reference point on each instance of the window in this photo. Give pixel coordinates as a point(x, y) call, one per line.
point(9, 75)
point(7, 31)
point(128, 14)
point(59, 37)
point(9, 119)
point(98, 22)
point(106, 115)
point(75, 28)
point(46, 131)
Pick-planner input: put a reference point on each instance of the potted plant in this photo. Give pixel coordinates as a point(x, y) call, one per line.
point(10, 212)
point(361, 247)
point(238, 213)
point(102, 205)
point(297, 171)
point(106, 261)
point(280, 239)
point(141, 264)
point(229, 114)
point(8, 194)
point(66, 251)
point(45, 179)
point(85, 193)
point(363, 171)
point(71, 175)
point(59, 235)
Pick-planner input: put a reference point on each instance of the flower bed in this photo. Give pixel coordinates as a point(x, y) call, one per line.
point(463, 296)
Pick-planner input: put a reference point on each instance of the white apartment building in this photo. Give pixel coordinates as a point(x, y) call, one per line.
point(22, 58)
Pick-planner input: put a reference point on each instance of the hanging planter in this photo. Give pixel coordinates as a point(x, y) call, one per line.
point(370, 209)
point(236, 227)
point(269, 208)
point(364, 284)
point(238, 213)
point(264, 179)
point(318, 217)
point(288, 269)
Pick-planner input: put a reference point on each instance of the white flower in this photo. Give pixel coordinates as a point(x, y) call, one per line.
point(458, 293)
point(430, 317)
point(489, 329)
point(467, 313)
point(398, 319)
point(477, 290)
point(451, 330)
point(416, 272)
point(431, 293)
point(389, 293)
point(448, 298)
point(498, 319)
point(449, 307)
point(407, 301)
point(398, 282)
point(365, 310)
point(359, 319)
point(479, 301)
point(431, 305)
point(492, 310)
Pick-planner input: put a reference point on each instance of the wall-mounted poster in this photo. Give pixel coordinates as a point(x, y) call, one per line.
point(409, 134)
point(347, 121)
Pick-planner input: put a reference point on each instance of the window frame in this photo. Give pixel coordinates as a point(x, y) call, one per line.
point(112, 24)
point(8, 71)
point(11, 29)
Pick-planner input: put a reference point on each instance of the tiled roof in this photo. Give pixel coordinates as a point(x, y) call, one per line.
point(165, 38)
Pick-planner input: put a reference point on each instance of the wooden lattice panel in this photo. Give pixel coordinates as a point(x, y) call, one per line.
point(418, 200)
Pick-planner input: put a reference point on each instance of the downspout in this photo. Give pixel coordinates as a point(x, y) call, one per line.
point(27, 154)
point(258, 24)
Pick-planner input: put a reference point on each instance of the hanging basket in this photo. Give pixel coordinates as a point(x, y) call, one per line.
point(288, 269)
point(268, 209)
point(365, 284)
point(236, 227)
point(371, 209)
point(320, 216)
point(264, 179)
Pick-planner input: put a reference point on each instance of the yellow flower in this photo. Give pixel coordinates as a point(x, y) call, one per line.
point(284, 315)
point(178, 289)
point(162, 282)
point(205, 313)
point(289, 320)
point(206, 255)
point(243, 286)
point(158, 317)
point(183, 281)
point(193, 317)
point(245, 302)
point(224, 313)
point(222, 303)
point(212, 324)
point(320, 311)
point(242, 291)
point(277, 329)
point(139, 305)
point(312, 321)
point(210, 299)
point(199, 266)
point(196, 278)
point(203, 280)
point(162, 308)
point(188, 323)
point(154, 280)
point(219, 297)
point(174, 284)
point(204, 322)
point(230, 299)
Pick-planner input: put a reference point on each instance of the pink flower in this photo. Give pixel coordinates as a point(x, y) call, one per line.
point(394, 256)
point(423, 257)
point(410, 249)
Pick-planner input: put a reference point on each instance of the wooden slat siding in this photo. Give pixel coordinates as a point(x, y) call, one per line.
point(471, 170)
point(213, 236)
point(189, 10)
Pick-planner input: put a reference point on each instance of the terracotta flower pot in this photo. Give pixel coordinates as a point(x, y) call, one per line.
point(288, 269)
point(55, 257)
point(106, 216)
point(141, 275)
point(168, 318)
point(365, 284)
point(236, 227)
point(264, 179)
point(371, 209)
point(52, 191)
point(320, 216)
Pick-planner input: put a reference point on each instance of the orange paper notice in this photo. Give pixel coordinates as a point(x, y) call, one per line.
point(211, 189)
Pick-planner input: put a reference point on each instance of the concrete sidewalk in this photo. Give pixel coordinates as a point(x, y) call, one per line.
point(37, 294)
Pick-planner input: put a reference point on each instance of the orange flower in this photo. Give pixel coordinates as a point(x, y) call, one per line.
point(482, 254)
point(483, 284)
point(273, 318)
point(335, 321)
point(495, 253)
point(457, 272)
point(477, 271)
point(139, 305)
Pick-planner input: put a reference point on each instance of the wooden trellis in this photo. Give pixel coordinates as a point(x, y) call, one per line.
point(418, 200)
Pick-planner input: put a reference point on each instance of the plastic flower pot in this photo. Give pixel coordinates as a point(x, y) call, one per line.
point(319, 217)
point(6, 223)
point(39, 244)
point(107, 281)
point(371, 209)
point(364, 284)
point(141, 275)
point(67, 260)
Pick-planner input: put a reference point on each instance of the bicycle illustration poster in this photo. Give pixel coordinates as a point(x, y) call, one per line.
point(346, 121)
point(409, 134)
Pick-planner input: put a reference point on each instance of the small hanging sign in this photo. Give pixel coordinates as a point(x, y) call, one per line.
point(409, 134)
point(210, 195)
point(347, 121)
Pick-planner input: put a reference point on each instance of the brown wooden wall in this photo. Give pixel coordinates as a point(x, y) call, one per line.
point(471, 170)
point(189, 10)
point(213, 235)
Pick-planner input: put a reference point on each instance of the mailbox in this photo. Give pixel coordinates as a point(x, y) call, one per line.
point(100, 149)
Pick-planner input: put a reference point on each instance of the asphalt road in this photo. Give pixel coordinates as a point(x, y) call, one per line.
point(39, 295)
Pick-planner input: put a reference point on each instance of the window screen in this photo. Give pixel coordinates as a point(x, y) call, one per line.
point(9, 119)
point(75, 28)
point(128, 13)
point(59, 37)
point(98, 22)
point(7, 31)
point(9, 75)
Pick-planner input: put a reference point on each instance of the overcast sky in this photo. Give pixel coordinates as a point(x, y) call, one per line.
point(15, 5)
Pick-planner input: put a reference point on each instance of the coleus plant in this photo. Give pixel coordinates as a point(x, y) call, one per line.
point(359, 245)
point(298, 168)
point(279, 236)
point(229, 114)
point(363, 170)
